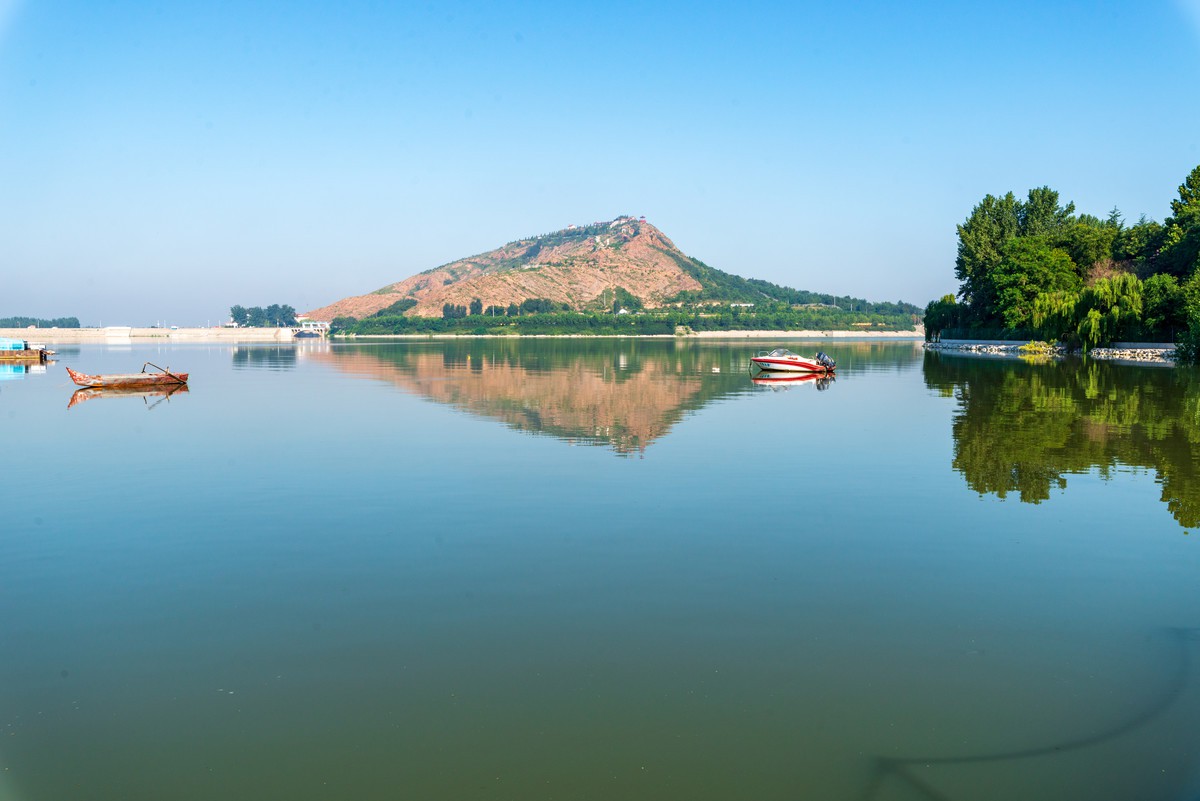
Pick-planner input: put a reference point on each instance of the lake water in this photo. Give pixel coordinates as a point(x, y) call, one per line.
point(604, 569)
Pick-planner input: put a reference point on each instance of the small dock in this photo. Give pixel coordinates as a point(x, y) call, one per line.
point(18, 350)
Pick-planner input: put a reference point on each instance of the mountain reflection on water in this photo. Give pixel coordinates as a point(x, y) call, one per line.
point(1022, 427)
point(624, 394)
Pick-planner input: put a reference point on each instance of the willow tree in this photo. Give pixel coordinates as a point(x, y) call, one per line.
point(1054, 315)
point(1108, 309)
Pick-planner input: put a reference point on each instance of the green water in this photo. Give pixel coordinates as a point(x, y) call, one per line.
point(599, 569)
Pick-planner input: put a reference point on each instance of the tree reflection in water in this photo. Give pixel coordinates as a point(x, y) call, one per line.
point(1023, 426)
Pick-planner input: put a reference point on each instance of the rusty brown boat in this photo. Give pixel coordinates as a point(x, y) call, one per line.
point(142, 380)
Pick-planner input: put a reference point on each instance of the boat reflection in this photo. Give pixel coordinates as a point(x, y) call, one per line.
point(785, 381)
point(1023, 428)
point(161, 394)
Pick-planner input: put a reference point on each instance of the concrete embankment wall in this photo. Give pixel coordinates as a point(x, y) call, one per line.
point(1017, 342)
point(1000, 342)
point(68, 335)
point(1142, 346)
point(1139, 353)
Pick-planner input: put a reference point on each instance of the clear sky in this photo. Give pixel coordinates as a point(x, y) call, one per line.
point(160, 162)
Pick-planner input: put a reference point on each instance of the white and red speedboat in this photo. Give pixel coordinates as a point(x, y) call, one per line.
point(784, 361)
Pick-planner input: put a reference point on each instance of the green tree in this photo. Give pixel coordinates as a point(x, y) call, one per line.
point(1163, 311)
point(1109, 309)
point(1138, 242)
point(256, 316)
point(1054, 315)
point(1181, 242)
point(38, 322)
point(1190, 293)
point(1040, 214)
point(940, 315)
point(1029, 267)
point(476, 307)
point(1189, 193)
point(982, 243)
point(981, 238)
point(396, 309)
point(1087, 243)
point(1180, 250)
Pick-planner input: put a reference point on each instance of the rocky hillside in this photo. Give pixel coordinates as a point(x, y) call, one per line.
point(582, 267)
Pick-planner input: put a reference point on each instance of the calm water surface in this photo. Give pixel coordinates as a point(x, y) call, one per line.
point(597, 570)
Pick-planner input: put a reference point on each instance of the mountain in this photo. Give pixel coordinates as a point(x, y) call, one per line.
point(626, 260)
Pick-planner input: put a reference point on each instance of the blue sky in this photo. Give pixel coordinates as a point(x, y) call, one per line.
point(161, 162)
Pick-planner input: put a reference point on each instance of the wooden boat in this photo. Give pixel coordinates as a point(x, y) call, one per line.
point(783, 360)
point(140, 380)
point(162, 392)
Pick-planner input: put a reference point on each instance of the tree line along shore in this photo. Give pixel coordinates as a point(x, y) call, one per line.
point(1034, 269)
point(538, 316)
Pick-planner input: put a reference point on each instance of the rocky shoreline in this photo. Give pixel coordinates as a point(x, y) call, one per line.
point(1149, 355)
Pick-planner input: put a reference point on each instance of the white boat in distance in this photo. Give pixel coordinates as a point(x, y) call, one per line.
point(784, 361)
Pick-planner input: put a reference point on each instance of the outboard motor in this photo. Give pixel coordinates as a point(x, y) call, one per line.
point(825, 361)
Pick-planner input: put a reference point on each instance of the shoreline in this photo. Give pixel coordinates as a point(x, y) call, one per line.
point(1126, 353)
point(125, 334)
point(866, 336)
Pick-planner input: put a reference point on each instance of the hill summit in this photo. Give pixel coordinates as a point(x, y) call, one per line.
point(583, 267)
point(625, 262)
